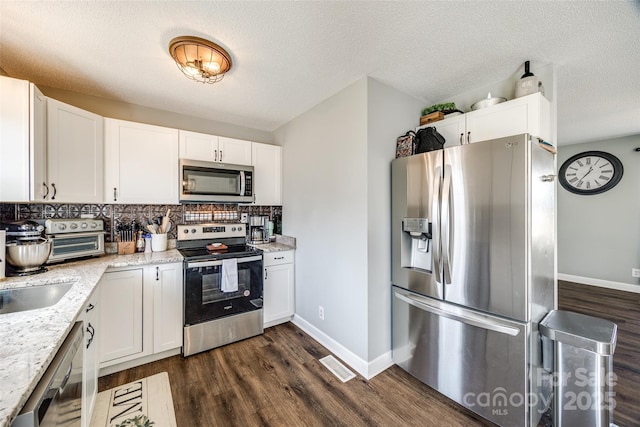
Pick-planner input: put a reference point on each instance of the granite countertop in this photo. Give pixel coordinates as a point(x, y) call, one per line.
point(282, 243)
point(30, 339)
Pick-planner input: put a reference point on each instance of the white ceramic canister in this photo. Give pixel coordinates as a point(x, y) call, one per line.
point(159, 242)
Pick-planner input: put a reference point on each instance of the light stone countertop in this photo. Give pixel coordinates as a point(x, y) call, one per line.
point(282, 243)
point(30, 339)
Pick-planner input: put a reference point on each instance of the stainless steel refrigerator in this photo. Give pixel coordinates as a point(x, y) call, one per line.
point(473, 273)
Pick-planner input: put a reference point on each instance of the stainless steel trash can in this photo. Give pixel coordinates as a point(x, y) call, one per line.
point(582, 347)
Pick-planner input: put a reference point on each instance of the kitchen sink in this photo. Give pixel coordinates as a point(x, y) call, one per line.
point(31, 298)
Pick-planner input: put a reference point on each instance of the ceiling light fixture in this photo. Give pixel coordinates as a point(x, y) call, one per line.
point(200, 59)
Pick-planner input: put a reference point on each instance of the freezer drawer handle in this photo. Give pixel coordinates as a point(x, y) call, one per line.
point(469, 319)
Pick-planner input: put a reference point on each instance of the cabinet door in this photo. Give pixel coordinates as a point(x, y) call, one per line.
point(451, 128)
point(141, 163)
point(521, 115)
point(121, 310)
point(90, 316)
point(166, 280)
point(234, 151)
point(267, 180)
point(14, 140)
point(198, 146)
point(39, 189)
point(278, 294)
point(75, 154)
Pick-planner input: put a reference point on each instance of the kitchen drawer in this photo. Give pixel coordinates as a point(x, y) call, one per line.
point(276, 258)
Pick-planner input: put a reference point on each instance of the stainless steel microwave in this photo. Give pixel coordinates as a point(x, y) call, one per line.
point(215, 182)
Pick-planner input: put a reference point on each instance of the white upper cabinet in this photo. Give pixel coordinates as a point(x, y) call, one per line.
point(75, 154)
point(23, 129)
point(141, 163)
point(234, 151)
point(211, 148)
point(267, 169)
point(528, 114)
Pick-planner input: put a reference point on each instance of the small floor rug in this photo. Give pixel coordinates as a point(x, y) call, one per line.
point(142, 403)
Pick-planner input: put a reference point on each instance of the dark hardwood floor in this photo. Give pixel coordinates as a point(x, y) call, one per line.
point(622, 308)
point(276, 379)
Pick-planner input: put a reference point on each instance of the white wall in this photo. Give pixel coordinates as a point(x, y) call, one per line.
point(336, 186)
point(138, 113)
point(325, 208)
point(390, 114)
point(599, 235)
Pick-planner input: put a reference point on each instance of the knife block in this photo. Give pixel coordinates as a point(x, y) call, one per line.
point(126, 248)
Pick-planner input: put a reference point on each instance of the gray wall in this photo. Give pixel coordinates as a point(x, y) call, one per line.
point(138, 113)
point(599, 235)
point(336, 203)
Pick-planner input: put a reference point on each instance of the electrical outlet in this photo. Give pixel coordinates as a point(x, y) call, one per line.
point(635, 272)
point(321, 312)
point(244, 217)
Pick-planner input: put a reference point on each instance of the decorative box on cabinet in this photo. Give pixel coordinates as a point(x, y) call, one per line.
point(528, 114)
point(278, 292)
point(141, 163)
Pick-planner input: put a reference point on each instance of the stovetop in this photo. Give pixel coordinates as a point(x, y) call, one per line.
point(232, 251)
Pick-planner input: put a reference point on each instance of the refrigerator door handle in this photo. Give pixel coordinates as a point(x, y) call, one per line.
point(465, 317)
point(435, 213)
point(445, 221)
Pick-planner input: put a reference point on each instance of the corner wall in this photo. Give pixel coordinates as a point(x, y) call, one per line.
point(599, 235)
point(336, 181)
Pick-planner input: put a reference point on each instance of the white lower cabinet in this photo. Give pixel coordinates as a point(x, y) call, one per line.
point(278, 292)
point(91, 318)
point(141, 312)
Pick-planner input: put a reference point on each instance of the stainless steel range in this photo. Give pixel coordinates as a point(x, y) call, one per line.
point(222, 286)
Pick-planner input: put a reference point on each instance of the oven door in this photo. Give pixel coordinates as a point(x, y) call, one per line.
point(204, 298)
point(75, 245)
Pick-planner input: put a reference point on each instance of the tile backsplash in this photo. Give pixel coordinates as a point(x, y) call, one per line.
point(112, 214)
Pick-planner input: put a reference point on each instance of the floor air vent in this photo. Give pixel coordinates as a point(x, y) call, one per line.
point(337, 368)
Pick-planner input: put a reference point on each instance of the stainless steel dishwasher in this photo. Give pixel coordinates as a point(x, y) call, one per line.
point(57, 399)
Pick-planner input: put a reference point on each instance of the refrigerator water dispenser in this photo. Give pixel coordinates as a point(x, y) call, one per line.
point(416, 243)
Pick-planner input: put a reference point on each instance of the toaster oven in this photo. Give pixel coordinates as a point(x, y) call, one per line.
point(74, 238)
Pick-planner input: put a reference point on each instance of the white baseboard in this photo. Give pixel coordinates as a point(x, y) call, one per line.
point(364, 368)
point(619, 286)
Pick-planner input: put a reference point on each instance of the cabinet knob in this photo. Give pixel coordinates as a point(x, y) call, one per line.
point(47, 188)
point(54, 191)
point(266, 274)
point(220, 155)
point(115, 191)
point(461, 139)
point(469, 137)
point(157, 273)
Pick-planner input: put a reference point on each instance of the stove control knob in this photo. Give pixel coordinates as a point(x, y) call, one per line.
point(185, 231)
point(73, 226)
point(233, 229)
point(62, 226)
point(193, 230)
point(239, 228)
point(84, 225)
point(94, 225)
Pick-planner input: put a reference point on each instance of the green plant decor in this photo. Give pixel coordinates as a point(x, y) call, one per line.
point(137, 421)
point(439, 107)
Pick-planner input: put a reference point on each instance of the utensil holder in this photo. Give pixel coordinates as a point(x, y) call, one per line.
point(159, 242)
point(126, 248)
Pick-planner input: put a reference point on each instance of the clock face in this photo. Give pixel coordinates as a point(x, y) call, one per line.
point(591, 172)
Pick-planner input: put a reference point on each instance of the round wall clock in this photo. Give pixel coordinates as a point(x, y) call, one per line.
point(591, 172)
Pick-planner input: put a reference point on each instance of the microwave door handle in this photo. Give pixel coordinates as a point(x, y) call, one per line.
point(242, 183)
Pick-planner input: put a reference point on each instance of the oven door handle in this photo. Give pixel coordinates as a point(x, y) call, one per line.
point(198, 264)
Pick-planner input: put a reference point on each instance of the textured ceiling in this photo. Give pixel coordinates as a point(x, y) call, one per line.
point(289, 56)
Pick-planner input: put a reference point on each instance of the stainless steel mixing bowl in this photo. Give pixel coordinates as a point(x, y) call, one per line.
point(28, 255)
